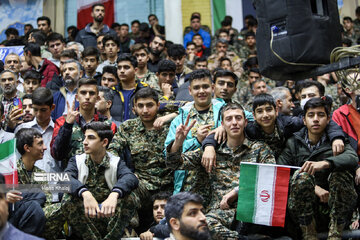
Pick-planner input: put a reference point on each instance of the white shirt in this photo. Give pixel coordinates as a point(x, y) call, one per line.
point(70, 97)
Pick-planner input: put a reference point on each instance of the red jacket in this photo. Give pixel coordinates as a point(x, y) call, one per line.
point(341, 117)
point(47, 70)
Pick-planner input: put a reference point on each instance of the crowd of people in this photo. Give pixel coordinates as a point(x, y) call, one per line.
point(152, 133)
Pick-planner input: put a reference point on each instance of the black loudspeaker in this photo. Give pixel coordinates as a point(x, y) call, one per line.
point(295, 36)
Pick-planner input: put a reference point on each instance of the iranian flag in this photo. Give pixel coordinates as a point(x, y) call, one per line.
point(8, 162)
point(84, 8)
point(263, 193)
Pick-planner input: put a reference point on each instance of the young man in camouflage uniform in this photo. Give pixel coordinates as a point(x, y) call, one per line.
point(27, 213)
point(323, 189)
point(140, 141)
point(205, 111)
point(69, 131)
point(226, 174)
point(101, 204)
point(142, 72)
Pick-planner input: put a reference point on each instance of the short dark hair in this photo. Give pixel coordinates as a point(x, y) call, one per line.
point(176, 50)
point(197, 34)
point(251, 63)
point(42, 96)
point(96, 5)
point(198, 74)
point(114, 25)
point(175, 204)
point(225, 59)
point(137, 47)
point(127, 57)
point(262, 99)
point(316, 102)
point(39, 37)
point(110, 69)
point(200, 59)
point(249, 34)
point(252, 22)
point(152, 15)
point(357, 11)
point(91, 51)
point(102, 129)
point(190, 43)
point(135, 21)
point(222, 30)
point(54, 37)
point(111, 37)
point(69, 53)
point(225, 73)
point(32, 74)
point(231, 106)
point(108, 94)
point(160, 196)
point(33, 48)
point(44, 18)
point(257, 81)
point(254, 70)
point(26, 136)
point(87, 81)
point(166, 66)
point(27, 96)
point(124, 25)
point(29, 25)
point(195, 17)
point(11, 31)
point(146, 92)
point(227, 21)
point(309, 83)
point(347, 18)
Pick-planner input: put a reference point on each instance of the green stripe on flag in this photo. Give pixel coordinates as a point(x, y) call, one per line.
point(219, 12)
point(247, 189)
point(6, 149)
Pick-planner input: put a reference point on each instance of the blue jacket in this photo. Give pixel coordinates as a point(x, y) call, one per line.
point(204, 34)
point(60, 101)
point(13, 233)
point(87, 38)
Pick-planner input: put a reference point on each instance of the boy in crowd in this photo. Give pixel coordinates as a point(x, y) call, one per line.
point(139, 139)
point(324, 181)
point(142, 72)
point(90, 62)
point(111, 47)
point(56, 44)
point(109, 77)
point(69, 131)
point(177, 54)
point(101, 203)
point(32, 80)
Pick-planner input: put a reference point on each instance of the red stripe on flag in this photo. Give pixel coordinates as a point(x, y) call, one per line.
point(9, 178)
point(84, 14)
point(280, 196)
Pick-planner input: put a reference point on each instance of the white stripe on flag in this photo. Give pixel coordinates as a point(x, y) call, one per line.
point(264, 195)
point(7, 164)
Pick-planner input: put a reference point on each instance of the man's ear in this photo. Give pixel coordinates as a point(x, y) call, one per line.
point(279, 103)
point(105, 142)
point(175, 224)
point(52, 107)
point(27, 148)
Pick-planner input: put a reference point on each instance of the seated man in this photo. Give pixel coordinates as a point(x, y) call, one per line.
point(225, 176)
point(101, 203)
point(69, 131)
point(324, 184)
point(159, 201)
point(185, 217)
point(283, 100)
point(167, 83)
point(139, 139)
point(109, 77)
point(90, 62)
point(177, 54)
point(27, 213)
point(112, 47)
point(8, 231)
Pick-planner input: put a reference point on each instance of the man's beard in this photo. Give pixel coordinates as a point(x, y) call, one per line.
point(193, 233)
point(9, 90)
point(99, 19)
point(155, 52)
point(69, 81)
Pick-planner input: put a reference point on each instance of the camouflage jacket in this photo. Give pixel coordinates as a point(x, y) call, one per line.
point(151, 80)
point(146, 150)
point(245, 51)
point(25, 178)
point(225, 176)
point(236, 62)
